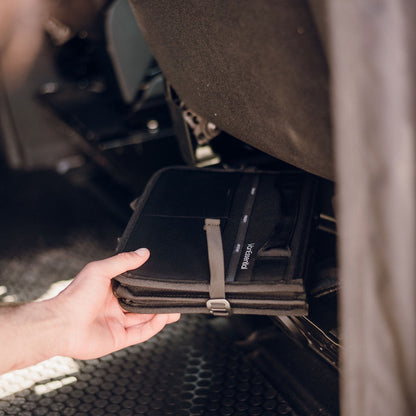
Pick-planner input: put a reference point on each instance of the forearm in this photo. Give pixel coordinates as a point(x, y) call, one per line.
point(75, 323)
point(30, 333)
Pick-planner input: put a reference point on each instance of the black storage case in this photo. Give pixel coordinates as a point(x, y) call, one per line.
point(220, 241)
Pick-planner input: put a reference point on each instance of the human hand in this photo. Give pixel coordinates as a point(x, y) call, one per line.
point(93, 323)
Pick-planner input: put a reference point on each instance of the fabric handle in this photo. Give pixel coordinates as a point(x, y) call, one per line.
point(217, 304)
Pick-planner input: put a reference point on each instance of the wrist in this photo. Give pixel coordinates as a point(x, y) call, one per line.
point(52, 329)
point(42, 329)
point(32, 331)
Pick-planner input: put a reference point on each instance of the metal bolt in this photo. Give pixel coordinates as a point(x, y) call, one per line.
point(211, 126)
point(152, 125)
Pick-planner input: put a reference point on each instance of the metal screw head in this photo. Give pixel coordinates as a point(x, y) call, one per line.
point(152, 125)
point(211, 126)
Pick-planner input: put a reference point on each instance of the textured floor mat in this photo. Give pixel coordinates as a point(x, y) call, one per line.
point(193, 367)
point(50, 230)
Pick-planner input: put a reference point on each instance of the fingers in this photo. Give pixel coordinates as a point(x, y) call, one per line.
point(133, 319)
point(142, 332)
point(173, 317)
point(118, 264)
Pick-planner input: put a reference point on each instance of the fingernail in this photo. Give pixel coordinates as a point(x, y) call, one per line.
point(142, 252)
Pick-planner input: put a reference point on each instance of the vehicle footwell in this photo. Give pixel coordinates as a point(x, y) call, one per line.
point(193, 367)
point(198, 366)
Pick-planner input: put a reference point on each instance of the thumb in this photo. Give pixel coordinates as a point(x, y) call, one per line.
point(120, 263)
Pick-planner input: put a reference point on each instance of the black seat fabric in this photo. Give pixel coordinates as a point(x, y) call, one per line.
point(254, 68)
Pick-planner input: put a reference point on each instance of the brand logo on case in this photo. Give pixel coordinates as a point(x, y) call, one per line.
point(247, 255)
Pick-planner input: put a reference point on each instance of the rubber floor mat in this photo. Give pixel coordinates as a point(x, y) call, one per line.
point(193, 367)
point(50, 230)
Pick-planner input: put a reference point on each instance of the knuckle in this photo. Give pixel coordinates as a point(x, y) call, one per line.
point(126, 256)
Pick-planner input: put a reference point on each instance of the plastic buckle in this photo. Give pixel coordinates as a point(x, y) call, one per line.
point(219, 307)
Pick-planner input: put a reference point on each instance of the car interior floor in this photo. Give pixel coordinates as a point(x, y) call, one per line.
point(52, 225)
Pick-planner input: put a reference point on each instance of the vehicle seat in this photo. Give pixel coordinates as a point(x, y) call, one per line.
point(257, 70)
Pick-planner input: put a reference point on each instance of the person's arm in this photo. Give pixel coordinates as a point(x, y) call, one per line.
point(84, 321)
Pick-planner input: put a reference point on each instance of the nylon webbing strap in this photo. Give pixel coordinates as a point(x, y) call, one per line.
point(217, 304)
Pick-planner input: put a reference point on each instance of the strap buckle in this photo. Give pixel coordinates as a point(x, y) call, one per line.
point(219, 307)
